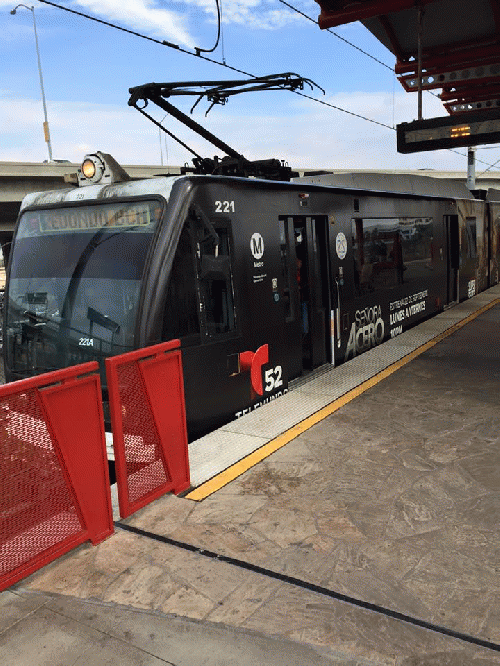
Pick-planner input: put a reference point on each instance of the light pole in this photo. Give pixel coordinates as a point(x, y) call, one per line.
point(46, 122)
point(159, 137)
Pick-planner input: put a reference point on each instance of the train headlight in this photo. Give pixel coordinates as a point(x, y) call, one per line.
point(92, 169)
point(88, 168)
point(100, 168)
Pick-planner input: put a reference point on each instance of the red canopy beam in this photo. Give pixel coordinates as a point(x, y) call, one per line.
point(449, 61)
point(448, 79)
point(463, 94)
point(469, 107)
point(339, 12)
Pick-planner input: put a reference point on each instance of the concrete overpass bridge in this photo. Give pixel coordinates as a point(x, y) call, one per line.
point(19, 178)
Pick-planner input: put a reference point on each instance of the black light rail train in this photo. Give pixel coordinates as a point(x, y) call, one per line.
point(261, 281)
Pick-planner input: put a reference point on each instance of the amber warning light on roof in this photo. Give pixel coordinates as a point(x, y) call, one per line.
point(466, 129)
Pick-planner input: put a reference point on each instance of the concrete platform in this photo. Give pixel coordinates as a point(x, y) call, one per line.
point(392, 499)
point(213, 453)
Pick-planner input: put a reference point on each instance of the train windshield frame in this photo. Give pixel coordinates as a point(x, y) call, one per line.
point(75, 279)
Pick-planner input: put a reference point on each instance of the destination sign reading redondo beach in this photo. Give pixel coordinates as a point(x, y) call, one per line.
point(91, 218)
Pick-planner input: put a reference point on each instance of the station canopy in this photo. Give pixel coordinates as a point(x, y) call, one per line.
point(460, 45)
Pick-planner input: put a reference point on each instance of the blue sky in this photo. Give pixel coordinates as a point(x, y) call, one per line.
point(88, 69)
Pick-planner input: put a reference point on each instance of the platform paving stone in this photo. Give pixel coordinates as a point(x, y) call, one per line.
point(62, 631)
point(393, 499)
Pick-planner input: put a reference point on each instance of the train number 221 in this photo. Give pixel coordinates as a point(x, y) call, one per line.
point(224, 206)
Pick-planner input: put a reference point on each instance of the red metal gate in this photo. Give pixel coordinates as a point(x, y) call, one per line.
point(148, 417)
point(54, 481)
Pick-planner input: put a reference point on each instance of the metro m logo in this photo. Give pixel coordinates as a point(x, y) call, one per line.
point(257, 246)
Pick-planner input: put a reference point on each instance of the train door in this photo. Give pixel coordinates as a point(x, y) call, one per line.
point(311, 251)
point(290, 273)
point(453, 245)
point(201, 310)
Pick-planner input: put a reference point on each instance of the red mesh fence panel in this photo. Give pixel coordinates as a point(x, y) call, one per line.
point(145, 468)
point(43, 510)
point(146, 399)
point(38, 509)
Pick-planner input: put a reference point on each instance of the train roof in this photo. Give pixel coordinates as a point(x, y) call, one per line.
point(362, 182)
point(400, 183)
point(130, 188)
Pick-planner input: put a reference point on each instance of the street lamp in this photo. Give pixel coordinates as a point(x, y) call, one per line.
point(159, 138)
point(46, 122)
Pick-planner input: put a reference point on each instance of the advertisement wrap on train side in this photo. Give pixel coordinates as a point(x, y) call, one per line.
point(262, 281)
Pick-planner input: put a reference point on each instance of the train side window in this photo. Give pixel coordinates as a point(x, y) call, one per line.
point(181, 308)
point(391, 251)
point(215, 279)
point(377, 254)
point(417, 240)
point(471, 233)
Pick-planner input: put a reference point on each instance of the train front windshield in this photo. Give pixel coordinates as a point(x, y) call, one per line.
point(74, 283)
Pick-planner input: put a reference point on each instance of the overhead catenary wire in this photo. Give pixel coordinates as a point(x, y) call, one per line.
point(339, 108)
point(380, 62)
point(490, 167)
point(354, 46)
point(197, 54)
point(161, 42)
point(219, 19)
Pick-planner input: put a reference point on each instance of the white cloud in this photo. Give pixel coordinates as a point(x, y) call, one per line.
point(150, 17)
point(313, 136)
point(139, 15)
point(253, 14)
point(142, 15)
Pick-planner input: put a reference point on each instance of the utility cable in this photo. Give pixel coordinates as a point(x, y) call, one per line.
point(339, 108)
point(369, 55)
point(490, 167)
point(309, 18)
point(234, 69)
point(161, 42)
point(222, 36)
point(198, 49)
point(354, 46)
point(197, 55)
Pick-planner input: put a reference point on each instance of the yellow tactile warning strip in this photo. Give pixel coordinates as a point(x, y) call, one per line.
point(232, 472)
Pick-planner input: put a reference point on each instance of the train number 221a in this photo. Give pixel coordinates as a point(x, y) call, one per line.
point(224, 206)
point(273, 378)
